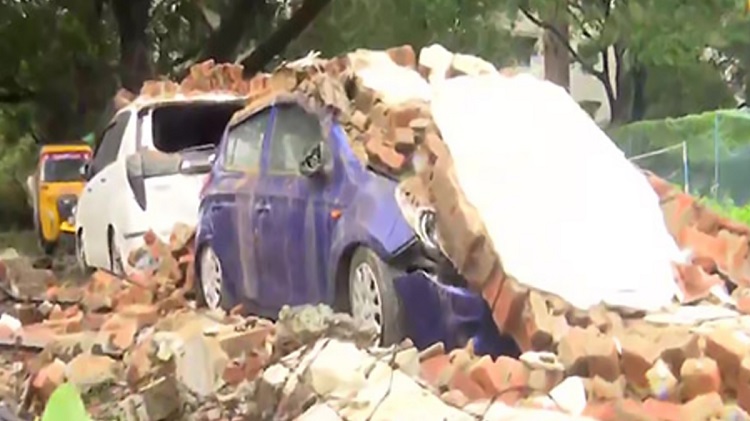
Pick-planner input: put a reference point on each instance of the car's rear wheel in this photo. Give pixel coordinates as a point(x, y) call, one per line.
point(372, 296)
point(210, 273)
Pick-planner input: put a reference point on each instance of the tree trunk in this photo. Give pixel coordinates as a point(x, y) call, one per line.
point(281, 37)
point(556, 55)
point(136, 65)
point(639, 75)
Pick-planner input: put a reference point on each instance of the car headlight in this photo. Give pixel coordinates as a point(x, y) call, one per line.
point(427, 229)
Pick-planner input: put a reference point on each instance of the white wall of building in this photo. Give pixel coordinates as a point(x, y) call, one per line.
point(583, 86)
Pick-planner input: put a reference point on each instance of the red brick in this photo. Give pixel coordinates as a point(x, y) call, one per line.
point(144, 314)
point(403, 56)
point(48, 378)
point(436, 370)
point(505, 378)
point(699, 376)
point(467, 386)
point(663, 411)
point(727, 348)
point(71, 324)
point(119, 331)
point(235, 344)
point(384, 155)
point(541, 329)
point(638, 356)
point(703, 407)
point(679, 344)
point(743, 384)
point(507, 298)
point(234, 373)
point(588, 353)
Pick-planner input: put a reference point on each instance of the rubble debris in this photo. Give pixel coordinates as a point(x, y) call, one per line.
point(138, 349)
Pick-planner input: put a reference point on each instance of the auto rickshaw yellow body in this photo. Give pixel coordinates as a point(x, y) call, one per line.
point(54, 190)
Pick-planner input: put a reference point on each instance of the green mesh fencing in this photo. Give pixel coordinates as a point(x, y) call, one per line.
point(709, 152)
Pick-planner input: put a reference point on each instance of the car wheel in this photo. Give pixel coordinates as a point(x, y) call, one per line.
point(83, 265)
point(116, 265)
point(372, 296)
point(210, 273)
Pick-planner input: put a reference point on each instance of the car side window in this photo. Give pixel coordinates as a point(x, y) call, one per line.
point(106, 152)
point(295, 132)
point(245, 143)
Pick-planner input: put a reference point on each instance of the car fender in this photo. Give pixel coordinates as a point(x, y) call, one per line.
point(373, 220)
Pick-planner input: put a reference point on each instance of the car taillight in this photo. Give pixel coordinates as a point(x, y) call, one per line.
point(206, 183)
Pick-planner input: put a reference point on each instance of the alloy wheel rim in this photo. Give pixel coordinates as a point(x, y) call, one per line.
point(211, 278)
point(364, 295)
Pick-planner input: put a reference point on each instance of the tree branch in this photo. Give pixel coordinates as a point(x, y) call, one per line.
point(562, 39)
point(223, 43)
point(281, 37)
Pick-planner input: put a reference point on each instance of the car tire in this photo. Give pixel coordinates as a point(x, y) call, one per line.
point(116, 265)
point(373, 297)
point(209, 290)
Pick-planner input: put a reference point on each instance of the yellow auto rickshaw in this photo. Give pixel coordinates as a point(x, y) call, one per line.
point(54, 189)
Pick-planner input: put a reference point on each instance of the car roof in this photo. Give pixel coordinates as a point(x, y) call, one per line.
point(279, 97)
point(143, 102)
point(65, 147)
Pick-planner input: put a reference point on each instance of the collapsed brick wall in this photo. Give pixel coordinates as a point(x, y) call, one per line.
point(393, 137)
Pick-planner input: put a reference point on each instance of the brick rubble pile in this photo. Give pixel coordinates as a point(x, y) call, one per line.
point(141, 338)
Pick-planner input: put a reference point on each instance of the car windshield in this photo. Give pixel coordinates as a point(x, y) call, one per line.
point(62, 167)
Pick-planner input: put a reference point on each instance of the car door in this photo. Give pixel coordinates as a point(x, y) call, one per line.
point(231, 204)
point(93, 209)
point(293, 213)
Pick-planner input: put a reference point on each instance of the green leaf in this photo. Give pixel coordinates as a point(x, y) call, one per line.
point(65, 404)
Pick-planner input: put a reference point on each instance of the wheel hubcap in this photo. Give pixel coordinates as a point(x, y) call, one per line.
point(364, 295)
point(211, 278)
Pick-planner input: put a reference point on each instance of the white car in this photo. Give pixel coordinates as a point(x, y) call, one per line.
point(147, 173)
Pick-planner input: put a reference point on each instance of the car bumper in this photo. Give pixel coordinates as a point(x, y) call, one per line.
point(435, 312)
point(67, 228)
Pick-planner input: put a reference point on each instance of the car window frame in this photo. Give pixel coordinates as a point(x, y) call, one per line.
point(278, 109)
point(266, 112)
point(121, 120)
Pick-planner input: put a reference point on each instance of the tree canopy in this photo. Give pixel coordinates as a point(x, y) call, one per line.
point(64, 59)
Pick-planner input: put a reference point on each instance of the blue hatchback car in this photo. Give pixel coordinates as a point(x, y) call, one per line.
point(290, 215)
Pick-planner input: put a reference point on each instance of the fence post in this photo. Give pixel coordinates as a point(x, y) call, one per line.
point(715, 187)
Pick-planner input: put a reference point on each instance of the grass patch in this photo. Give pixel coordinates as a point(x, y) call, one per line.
point(727, 208)
point(25, 242)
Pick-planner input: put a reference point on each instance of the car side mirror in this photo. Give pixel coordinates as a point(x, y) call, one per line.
point(317, 161)
point(86, 170)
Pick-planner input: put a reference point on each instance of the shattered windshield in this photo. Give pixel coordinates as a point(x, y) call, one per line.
point(63, 167)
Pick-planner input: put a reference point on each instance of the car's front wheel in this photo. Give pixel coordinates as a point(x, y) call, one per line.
point(372, 296)
point(210, 274)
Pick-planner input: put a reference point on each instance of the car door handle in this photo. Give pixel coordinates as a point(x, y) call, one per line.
point(262, 207)
point(102, 180)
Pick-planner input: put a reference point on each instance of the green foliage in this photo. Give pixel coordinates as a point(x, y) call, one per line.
point(65, 404)
point(469, 27)
point(726, 207)
point(731, 127)
point(690, 88)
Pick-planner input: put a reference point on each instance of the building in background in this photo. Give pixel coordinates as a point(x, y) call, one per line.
point(585, 88)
